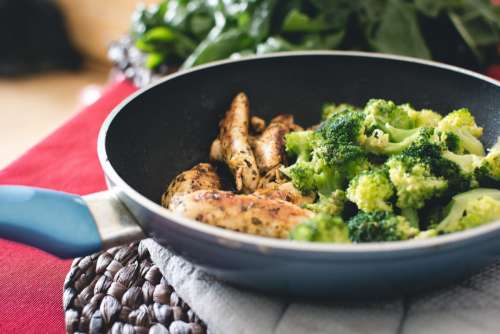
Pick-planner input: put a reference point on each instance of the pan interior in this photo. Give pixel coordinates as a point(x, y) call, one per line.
point(169, 127)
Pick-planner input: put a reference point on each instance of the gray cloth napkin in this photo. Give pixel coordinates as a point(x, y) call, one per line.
point(471, 307)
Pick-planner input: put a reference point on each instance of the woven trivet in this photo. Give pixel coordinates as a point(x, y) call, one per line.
point(121, 291)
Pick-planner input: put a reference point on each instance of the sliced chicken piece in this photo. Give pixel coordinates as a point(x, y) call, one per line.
point(201, 176)
point(216, 151)
point(285, 192)
point(243, 213)
point(272, 178)
point(269, 146)
point(258, 124)
point(235, 148)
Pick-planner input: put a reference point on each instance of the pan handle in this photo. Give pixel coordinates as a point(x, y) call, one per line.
point(63, 224)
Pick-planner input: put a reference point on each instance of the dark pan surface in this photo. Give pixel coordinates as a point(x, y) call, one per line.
point(169, 128)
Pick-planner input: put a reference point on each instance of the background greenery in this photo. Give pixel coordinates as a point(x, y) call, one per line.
point(192, 32)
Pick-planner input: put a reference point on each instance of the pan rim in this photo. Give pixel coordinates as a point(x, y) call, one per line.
point(263, 243)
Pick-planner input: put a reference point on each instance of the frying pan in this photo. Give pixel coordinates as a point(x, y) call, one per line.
point(168, 127)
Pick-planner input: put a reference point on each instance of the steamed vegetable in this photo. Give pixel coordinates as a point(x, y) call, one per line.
point(390, 172)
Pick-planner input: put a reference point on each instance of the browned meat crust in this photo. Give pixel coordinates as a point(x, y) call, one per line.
point(243, 213)
point(201, 176)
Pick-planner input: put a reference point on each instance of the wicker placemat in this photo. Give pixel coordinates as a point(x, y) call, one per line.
point(121, 291)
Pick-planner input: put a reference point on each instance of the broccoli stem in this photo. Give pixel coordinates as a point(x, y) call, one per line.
point(411, 215)
point(459, 202)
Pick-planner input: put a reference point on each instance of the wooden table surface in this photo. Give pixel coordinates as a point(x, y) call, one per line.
point(31, 107)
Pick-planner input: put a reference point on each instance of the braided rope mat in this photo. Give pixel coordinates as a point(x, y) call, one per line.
point(121, 291)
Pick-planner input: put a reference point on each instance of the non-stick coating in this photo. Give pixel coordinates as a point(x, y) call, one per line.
point(169, 128)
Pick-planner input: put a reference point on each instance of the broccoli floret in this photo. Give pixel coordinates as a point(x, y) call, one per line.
point(423, 118)
point(463, 125)
point(301, 173)
point(467, 162)
point(471, 209)
point(341, 136)
point(390, 128)
point(379, 142)
point(488, 172)
point(332, 204)
point(300, 144)
point(411, 216)
point(381, 112)
point(431, 154)
point(328, 157)
point(431, 233)
point(371, 191)
point(321, 228)
point(331, 109)
point(414, 181)
point(310, 172)
point(451, 142)
point(379, 226)
point(314, 175)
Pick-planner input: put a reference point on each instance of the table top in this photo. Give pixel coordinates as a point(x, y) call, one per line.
point(36, 105)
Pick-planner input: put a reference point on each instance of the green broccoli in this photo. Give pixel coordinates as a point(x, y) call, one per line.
point(411, 215)
point(423, 118)
point(332, 204)
point(414, 181)
point(379, 113)
point(300, 144)
point(488, 171)
point(331, 109)
point(430, 233)
point(463, 125)
point(371, 190)
point(391, 129)
point(341, 136)
point(451, 142)
point(310, 172)
point(328, 157)
point(445, 173)
point(321, 228)
point(380, 226)
point(471, 209)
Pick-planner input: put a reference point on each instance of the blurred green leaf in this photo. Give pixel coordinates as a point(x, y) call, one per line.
point(433, 8)
point(296, 21)
point(197, 31)
point(154, 59)
point(398, 31)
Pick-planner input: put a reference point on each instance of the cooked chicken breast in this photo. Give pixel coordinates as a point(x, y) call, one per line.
point(258, 124)
point(269, 146)
point(201, 176)
point(285, 192)
point(234, 146)
point(243, 213)
point(216, 151)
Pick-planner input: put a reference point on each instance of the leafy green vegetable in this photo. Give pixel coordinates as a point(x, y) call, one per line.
point(194, 32)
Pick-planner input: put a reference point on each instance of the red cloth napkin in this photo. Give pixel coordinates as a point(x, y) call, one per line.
point(30, 280)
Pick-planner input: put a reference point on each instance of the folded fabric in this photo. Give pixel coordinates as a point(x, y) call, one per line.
point(31, 280)
point(471, 307)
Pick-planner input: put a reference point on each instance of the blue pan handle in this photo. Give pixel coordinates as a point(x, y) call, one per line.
point(63, 224)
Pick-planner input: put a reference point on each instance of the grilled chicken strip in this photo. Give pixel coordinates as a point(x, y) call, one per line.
point(201, 176)
point(285, 192)
point(258, 124)
point(234, 147)
point(269, 146)
point(243, 213)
